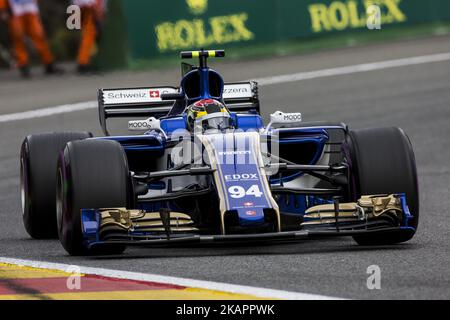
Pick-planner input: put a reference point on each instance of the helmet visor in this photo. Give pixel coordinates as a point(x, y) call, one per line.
point(220, 122)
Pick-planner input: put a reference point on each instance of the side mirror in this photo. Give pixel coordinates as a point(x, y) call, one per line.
point(281, 118)
point(144, 125)
point(285, 118)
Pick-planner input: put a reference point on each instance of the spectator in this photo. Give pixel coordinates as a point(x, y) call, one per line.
point(23, 19)
point(92, 12)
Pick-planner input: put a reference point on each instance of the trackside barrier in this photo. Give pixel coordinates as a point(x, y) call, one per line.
point(143, 30)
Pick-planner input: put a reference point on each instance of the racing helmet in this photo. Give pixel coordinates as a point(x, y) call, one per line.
point(208, 114)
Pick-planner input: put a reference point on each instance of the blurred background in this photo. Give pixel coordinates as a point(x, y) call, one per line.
point(62, 41)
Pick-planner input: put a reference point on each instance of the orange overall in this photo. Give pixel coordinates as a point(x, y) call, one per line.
point(91, 16)
point(24, 21)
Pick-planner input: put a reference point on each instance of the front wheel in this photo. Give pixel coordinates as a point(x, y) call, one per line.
point(382, 162)
point(91, 174)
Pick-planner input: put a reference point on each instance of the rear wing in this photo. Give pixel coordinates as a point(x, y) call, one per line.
point(239, 97)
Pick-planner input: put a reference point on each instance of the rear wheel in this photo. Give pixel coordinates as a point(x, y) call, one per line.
point(91, 174)
point(38, 158)
point(382, 162)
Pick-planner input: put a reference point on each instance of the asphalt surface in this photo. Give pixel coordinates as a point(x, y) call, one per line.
point(416, 98)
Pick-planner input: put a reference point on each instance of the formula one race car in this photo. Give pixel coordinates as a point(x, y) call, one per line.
point(203, 168)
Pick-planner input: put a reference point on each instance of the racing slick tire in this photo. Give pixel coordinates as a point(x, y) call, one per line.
point(382, 161)
point(38, 159)
point(91, 174)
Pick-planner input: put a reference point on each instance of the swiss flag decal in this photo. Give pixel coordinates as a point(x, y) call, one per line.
point(154, 94)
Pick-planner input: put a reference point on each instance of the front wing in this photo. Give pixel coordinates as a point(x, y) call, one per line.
point(370, 215)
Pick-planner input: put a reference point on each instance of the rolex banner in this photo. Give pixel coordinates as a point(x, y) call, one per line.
point(145, 30)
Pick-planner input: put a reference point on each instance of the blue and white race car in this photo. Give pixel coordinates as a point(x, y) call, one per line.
point(202, 167)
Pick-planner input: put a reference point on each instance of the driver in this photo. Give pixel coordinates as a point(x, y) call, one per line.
point(208, 114)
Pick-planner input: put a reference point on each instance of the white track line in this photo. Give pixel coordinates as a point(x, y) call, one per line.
point(46, 112)
point(358, 68)
point(301, 76)
point(191, 283)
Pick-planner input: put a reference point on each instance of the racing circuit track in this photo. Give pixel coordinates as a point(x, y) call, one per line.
point(414, 96)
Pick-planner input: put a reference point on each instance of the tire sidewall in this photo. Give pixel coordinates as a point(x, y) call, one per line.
point(25, 188)
point(69, 220)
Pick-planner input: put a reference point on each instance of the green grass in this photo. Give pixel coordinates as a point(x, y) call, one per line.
point(313, 44)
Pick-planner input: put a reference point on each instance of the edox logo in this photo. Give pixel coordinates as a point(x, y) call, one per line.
point(197, 6)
